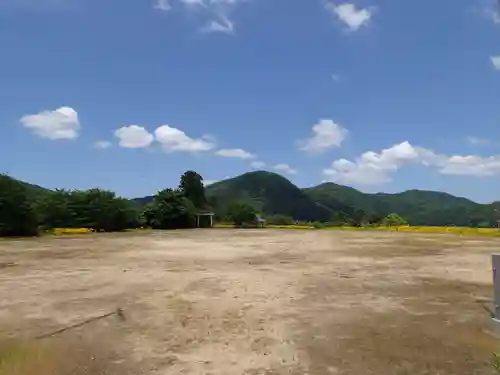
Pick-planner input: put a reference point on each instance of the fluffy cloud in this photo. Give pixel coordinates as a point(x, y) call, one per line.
point(326, 134)
point(102, 144)
point(162, 5)
point(496, 62)
point(257, 164)
point(235, 153)
point(353, 17)
point(373, 168)
point(134, 136)
point(61, 123)
point(173, 139)
point(285, 168)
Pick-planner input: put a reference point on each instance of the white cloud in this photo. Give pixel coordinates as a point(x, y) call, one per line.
point(224, 2)
point(222, 26)
point(162, 5)
point(257, 164)
point(61, 123)
point(285, 168)
point(373, 168)
point(496, 62)
point(173, 139)
point(478, 141)
point(102, 144)
point(336, 77)
point(471, 165)
point(134, 136)
point(327, 134)
point(235, 153)
point(193, 3)
point(353, 17)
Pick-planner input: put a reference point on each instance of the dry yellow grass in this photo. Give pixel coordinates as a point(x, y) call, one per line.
point(444, 230)
point(55, 357)
point(71, 231)
point(491, 232)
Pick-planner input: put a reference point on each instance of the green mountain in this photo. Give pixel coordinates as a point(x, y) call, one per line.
point(269, 193)
point(272, 194)
point(34, 191)
point(419, 207)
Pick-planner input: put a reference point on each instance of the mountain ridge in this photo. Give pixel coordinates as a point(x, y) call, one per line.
point(271, 194)
point(419, 207)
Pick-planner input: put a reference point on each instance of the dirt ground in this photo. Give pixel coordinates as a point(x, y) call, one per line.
point(231, 302)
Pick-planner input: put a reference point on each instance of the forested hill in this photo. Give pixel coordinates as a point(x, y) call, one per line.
point(33, 191)
point(419, 207)
point(269, 193)
point(272, 193)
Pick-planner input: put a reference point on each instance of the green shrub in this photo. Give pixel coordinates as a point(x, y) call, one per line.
point(318, 225)
point(241, 213)
point(279, 220)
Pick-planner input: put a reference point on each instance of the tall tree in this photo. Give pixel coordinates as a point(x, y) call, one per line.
point(241, 213)
point(192, 186)
point(170, 210)
point(17, 216)
point(394, 220)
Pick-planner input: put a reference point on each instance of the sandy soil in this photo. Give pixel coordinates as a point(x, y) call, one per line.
point(230, 302)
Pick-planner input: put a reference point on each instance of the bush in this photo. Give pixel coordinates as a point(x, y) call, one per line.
point(318, 225)
point(93, 209)
point(280, 220)
point(241, 213)
point(394, 220)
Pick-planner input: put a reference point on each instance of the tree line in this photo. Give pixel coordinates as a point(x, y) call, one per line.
point(21, 214)
point(24, 214)
point(342, 219)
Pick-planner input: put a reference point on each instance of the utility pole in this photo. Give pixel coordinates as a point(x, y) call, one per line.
point(495, 314)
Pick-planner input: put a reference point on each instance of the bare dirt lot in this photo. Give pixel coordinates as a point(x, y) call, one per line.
point(230, 302)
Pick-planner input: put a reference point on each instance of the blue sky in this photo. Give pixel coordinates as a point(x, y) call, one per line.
point(382, 95)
